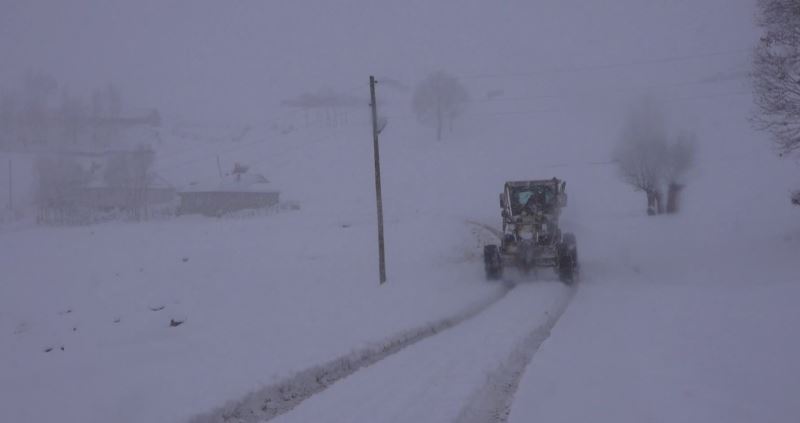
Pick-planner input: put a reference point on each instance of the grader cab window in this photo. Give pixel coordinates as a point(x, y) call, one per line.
point(541, 196)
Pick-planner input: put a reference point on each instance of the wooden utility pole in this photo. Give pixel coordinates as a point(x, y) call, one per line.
point(10, 187)
point(375, 131)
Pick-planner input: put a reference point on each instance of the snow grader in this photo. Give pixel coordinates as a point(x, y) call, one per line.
point(531, 236)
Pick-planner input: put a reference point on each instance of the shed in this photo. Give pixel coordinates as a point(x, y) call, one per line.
point(232, 194)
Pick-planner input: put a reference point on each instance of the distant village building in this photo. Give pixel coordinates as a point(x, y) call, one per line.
point(234, 193)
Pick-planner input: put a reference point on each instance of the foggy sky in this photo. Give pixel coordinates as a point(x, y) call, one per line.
point(236, 60)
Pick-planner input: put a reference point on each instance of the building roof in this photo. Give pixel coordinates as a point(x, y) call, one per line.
point(245, 183)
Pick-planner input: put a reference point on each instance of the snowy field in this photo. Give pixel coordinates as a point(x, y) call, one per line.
point(697, 326)
point(259, 298)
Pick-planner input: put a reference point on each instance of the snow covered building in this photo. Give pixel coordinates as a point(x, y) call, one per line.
point(246, 191)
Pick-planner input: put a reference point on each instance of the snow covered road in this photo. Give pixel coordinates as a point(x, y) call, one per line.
point(435, 380)
point(497, 357)
point(285, 395)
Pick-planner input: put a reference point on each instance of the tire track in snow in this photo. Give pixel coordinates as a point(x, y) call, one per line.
point(279, 398)
point(491, 403)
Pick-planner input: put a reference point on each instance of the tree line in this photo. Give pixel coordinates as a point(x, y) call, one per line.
point(39, 114)
point(776, 76)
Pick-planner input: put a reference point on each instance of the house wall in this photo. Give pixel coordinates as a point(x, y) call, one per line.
point(217, 203)
point(108, 197)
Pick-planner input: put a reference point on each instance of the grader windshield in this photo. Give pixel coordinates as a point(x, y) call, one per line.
point(546, 195)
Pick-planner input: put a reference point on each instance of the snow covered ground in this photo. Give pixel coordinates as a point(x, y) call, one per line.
point(434, 380)
point(259, 299)
point(693, 319)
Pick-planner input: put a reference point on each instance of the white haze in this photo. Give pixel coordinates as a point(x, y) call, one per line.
point(687, 317)
point(236, 61)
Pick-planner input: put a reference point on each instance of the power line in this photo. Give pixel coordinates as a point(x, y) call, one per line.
point(589, 93)
point(561, 108)
point(703, 97)
point(605, 66)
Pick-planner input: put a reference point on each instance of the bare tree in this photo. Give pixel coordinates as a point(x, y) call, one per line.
point(438, 99)
point(59, 180)
point(73, 117)
point(9, 110)
point(129, 176)
point(641, 151)
point(38, 88)
point(32, 115)
point(679, 160)
point(649, 162)
point(776, 73)
point(106, 114)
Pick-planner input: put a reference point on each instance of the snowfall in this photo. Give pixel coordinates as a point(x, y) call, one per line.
point(681, 318)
